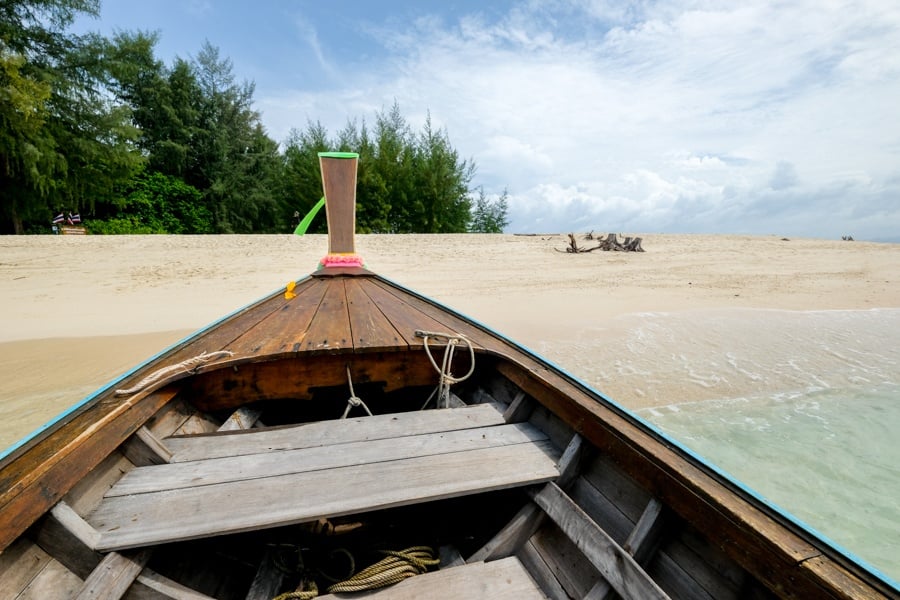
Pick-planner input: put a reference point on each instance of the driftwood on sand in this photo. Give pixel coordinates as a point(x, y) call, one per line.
point(610, 243)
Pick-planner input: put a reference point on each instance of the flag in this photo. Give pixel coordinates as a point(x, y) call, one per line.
point(58, 218)
point(76, 218)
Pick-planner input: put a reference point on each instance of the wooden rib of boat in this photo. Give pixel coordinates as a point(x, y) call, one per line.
point(243, 463)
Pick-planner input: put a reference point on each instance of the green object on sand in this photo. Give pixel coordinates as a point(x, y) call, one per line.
point(304, 224)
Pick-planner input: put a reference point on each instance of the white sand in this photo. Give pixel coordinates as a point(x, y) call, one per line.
point(78, 311)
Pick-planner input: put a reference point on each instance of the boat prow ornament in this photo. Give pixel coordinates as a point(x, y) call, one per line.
point(339, 185)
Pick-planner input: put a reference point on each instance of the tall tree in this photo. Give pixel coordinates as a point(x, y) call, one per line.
point(441, 183)
point(63, 142)
point(231, 150)
point(392, 159)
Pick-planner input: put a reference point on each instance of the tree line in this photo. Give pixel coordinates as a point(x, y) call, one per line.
point(102, 127)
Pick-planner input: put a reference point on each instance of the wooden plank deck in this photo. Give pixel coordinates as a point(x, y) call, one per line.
point(338, 474)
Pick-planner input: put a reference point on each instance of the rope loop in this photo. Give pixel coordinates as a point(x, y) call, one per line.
point(445, 377)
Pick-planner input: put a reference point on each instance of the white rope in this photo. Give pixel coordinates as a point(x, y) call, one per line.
point(185, 365)
point(353, 400)
point(446, 377)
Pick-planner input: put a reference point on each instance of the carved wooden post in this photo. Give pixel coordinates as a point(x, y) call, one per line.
point(339, 184)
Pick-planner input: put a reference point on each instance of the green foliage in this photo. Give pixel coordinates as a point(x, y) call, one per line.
point(103, 127)
point(489, 216)
point(406, 182)
point(63, 142)
point(157, 203)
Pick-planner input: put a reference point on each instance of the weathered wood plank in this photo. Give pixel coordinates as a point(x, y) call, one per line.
point(19, 565)
point(74, 524)
point(242, 418)
point(199, 422)
point(32, 494)
point(296, 378)
point(641, 543)
point(617, 566)
point(621, 490)
point(330, 329)
point(603, 511)
point(541, 572)
point(324, 433)
point(405, 319)
point(143, 448)
point(170, 418)
point(87, 493)
point(164, 587)
point(519, 409)
point(52, 582)
point(570, 461)
point(508, 540)
point(500, 579)
point(371, 329)
point(273, 464)
point(643, 538)
point(441, 320)
point(568, 564)
point(153, 518)
point(282, 330)
point(113, 576)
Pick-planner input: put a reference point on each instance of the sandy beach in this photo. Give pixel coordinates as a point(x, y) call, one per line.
point(79, 311)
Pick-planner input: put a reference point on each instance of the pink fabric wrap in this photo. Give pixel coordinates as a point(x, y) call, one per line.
point(341, 260)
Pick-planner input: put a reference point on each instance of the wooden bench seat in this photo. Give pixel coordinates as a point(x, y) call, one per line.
point(338, 469)
point(505, 578)
point(327, 433)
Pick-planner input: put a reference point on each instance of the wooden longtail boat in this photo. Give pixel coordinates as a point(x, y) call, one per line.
point(286, 446)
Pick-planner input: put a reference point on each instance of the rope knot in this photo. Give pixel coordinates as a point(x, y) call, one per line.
point(445, 377)
point(353, 400)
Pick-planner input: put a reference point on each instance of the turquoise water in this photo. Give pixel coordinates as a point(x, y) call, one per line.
point(801, 407)
point(830, 457)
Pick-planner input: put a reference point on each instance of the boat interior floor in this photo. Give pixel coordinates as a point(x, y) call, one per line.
point(514, 502)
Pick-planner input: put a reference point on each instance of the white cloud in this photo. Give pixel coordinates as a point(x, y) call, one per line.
point(671, 116)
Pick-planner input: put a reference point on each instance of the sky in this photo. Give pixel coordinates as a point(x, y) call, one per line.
point(774, 118)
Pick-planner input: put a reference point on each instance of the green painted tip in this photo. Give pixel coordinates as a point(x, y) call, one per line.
point(338, 155)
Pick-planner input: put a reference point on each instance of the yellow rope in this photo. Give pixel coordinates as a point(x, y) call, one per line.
point(388, 571)
point(301, 594)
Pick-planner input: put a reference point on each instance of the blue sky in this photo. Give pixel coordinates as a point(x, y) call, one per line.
point(634, 117)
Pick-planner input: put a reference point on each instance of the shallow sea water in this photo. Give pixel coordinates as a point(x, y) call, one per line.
point(801, 407)
point(829, 457)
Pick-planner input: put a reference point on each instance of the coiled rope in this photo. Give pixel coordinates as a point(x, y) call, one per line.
point(446, 378)
point(311, 591)
point(396, 567)
point(185, 365)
